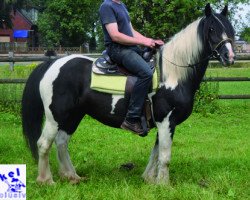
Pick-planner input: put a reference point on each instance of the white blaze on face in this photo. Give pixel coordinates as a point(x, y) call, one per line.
point(229, 48)
point(230, 51)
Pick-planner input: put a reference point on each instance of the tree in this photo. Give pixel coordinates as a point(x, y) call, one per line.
point(6, 8)
point(163, 18)
point(160, 18)
point(245, 33)
point(68, 22)
point(73, 22)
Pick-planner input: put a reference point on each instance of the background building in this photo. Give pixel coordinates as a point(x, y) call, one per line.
point(24, 32)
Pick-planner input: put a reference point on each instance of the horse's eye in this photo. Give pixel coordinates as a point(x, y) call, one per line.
point(211, 29)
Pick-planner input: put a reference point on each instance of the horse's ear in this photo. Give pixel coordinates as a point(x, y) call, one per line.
point(208, 10)
point(225, 11)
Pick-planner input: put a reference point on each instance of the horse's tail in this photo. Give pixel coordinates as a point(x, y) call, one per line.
point(32, 108)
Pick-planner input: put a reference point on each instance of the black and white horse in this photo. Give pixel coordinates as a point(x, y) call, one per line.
point(60, 90)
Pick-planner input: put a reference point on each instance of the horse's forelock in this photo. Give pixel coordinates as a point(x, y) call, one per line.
point(227, 25)
point(221, 23)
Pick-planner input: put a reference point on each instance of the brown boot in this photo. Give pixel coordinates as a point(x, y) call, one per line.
point(133, 127)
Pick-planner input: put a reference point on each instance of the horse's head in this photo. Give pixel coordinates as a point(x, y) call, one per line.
point(219, 35)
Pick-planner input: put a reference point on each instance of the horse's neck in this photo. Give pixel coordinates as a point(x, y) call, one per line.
point(172, 75)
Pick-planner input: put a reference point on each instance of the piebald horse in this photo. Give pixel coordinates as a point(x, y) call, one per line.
point(60, 91)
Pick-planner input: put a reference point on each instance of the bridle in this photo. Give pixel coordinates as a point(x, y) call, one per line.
point(215, 53)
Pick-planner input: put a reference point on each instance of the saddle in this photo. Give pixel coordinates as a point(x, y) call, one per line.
point(108, 76)
point(104, 64)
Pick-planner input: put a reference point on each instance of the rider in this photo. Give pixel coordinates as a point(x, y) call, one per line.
point(121, 41)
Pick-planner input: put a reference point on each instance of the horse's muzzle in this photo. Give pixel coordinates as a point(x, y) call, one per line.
point(226, 55)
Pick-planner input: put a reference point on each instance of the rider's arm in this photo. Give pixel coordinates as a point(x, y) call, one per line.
point(121, 38)
point(139, 36)
point(136, 34)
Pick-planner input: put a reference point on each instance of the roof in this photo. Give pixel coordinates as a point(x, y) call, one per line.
point(240, 42)
point(24, 17)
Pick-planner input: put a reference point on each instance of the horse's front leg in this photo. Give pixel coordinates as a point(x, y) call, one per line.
point(157, 170)
point(165, 131)
point(150, 172)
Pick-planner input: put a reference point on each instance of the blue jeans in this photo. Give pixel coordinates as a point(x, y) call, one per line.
point(130, 58)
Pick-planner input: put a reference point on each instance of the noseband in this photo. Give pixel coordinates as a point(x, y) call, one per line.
point(215, 52)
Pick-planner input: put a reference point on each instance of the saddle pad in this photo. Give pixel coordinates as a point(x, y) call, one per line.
point(114, 84)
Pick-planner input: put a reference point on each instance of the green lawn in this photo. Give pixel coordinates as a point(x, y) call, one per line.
point(210, 159)
point(228, 72)
point(210, 155)
point(20, 71)
point(231, 87)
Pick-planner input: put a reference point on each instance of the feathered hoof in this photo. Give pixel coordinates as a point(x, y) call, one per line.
point(156, 180)
point(162, 180)
point(73, 178)
point(45, 181)
point(77, 180)
point(149, 178)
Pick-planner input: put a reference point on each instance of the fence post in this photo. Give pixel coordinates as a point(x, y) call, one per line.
point(11, 55)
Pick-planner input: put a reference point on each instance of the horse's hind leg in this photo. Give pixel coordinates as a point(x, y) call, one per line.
point(44, 144)
point(66, 169)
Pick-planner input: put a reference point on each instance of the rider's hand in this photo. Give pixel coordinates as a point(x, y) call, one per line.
point(159, 42)
point(148, 42)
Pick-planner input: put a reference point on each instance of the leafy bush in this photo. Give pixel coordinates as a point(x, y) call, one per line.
point(206, 98)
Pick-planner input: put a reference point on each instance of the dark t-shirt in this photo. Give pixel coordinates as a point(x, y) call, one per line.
point(111, 12)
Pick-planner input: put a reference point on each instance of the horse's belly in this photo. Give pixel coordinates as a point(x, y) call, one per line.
point(107, 109)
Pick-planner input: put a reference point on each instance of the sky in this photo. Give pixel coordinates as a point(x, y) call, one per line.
point(244, 10)
point(240, 18)
point(242, 13)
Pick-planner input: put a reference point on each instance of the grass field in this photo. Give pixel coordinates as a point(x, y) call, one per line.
point(231, 87)
point(210, 160)
point(210, 156)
